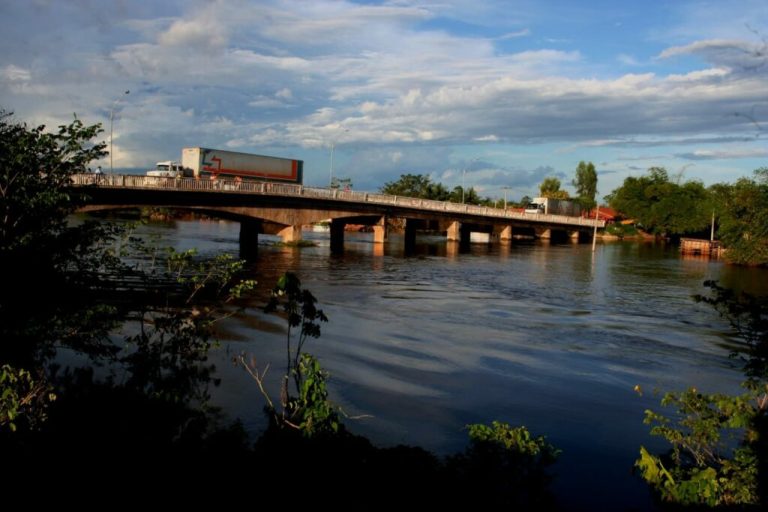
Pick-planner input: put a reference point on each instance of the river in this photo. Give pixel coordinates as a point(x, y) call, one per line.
point(553, 337)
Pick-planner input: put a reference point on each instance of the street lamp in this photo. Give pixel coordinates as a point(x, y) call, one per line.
point(333, 144)
point(111, 118)
point(463, 175)
point(505, 196)
point(594, 233)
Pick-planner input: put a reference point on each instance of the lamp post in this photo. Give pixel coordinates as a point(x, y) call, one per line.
point(111, 118)
point(505, 196)
point(463, 175)
point(333, 144)
point(594, 234)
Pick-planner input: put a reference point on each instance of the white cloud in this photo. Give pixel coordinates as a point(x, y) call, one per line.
point(12, 73)
point(724, 154)
point(515, 35)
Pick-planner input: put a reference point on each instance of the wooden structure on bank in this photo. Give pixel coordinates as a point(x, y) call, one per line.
point(700, 247)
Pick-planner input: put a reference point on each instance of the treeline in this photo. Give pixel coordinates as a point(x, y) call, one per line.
point(669, 208)
point(422, 186)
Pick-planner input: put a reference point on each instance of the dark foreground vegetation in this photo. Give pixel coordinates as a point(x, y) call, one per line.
point(105, 379)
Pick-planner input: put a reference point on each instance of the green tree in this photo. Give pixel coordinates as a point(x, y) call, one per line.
point(586, 184)
point(550, 188)
point(67, 297)
point(416, 185)
point(742, 212)
point(661, 206)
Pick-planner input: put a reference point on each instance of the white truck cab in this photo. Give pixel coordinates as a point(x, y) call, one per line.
point(167, 169)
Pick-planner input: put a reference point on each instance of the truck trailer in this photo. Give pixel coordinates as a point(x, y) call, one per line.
point(549, 206)
point(204, 162)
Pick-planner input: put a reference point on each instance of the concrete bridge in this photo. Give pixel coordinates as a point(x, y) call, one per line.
point(282, 209)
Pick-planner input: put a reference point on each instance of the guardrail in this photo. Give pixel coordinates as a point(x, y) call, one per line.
point(291, 190)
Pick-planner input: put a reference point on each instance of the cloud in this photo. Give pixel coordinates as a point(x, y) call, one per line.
point(12, 73)
point(734, 54)
point(408, 79)
point(709, 154)
point(514, 35)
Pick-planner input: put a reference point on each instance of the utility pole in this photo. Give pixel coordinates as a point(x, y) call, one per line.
point(333, 144)
point(594, 234)
point(111, 118)
point(505, 196)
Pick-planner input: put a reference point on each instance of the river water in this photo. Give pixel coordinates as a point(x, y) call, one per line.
point(553, 337)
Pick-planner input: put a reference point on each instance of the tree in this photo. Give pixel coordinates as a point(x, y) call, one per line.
point(661, 206)
point(742, 210)
point(586, 184)
point(416, 185)
point(550, 188)
point(66, 297)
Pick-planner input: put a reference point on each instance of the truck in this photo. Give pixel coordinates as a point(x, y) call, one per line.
point(169, 169)
point(549, 206)
point(205, 162)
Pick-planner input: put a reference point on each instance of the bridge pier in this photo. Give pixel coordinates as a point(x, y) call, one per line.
point(543, 233)
point(574, 236)
point(380, 231)
point(337, 236)
point(502, 233)
point(459, 232)
point(290, 234)
point(249, 238)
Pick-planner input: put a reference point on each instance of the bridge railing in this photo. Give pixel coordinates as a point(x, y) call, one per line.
point(292, 190)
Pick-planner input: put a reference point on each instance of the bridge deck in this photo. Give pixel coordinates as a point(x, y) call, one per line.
point(192, 185)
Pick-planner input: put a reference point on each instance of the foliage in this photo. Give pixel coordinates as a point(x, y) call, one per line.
point(517, 441)
point(550, 188)
point(586, 184)
point(742, 211)
point(718, 441)
point(309, 411)
point(422, 186)
point(748, 315)
point(416, 185)
point(168, 355)
point(22, 398)
point(35, 168)
point(83, 279)
point(661, 206)
point(505, 465)
point(701, 469)
point(621, 230)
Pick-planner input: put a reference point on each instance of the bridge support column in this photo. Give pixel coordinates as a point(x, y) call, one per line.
point(543, 233)
point(574, 236)
point(459, 232)
point(501, 234)
point(337, 236)
point(380, 231)
point(454, 231)
point(249, 239)
point(290, 234)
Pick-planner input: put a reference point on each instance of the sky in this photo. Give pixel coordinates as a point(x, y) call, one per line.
point(496, 95)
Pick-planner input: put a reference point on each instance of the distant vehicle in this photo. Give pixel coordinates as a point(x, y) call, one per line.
point(534, 208)
point(169, 169)
point(204, 162)
point(549, 206)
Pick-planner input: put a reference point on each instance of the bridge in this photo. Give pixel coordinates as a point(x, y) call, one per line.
point(282, 209)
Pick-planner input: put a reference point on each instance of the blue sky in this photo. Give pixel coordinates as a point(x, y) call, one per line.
point(501, 93)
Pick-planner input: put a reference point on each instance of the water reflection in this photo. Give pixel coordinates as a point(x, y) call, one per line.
point(550, 336)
